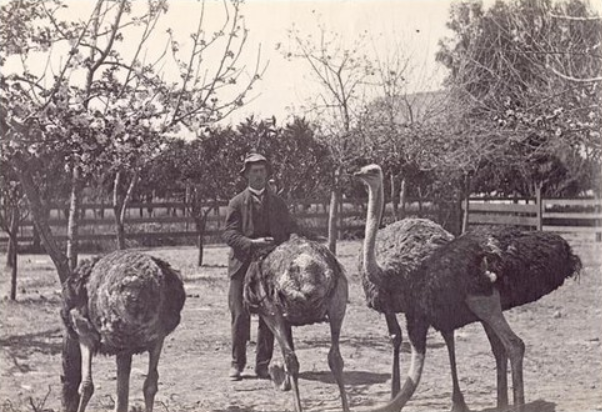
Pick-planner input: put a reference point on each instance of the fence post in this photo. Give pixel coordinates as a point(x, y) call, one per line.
point(539, 202)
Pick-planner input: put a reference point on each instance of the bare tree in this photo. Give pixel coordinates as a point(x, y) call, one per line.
point(341, 72)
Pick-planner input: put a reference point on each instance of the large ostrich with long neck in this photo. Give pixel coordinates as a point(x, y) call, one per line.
point(472, 278)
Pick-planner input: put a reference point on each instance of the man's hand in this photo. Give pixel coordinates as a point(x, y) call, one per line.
point(263, 242)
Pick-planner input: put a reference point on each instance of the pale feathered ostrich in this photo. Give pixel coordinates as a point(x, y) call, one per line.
point(121, 304)
point(472, 278)
point(300, 283)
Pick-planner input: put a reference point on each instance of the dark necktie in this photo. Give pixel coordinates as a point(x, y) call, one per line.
point(257, 197)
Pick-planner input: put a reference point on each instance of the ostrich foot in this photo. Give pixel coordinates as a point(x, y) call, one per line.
point(280, 378)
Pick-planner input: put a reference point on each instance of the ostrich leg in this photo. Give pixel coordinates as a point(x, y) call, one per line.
point(458, 404)
point(489, 310)
point(396, 338)
point(501, 361)
point(124, 366)
point(417, 331)
point(336, 315)
point(86, 387)
point(281, 378)
point(152, 379)
point(280, 329)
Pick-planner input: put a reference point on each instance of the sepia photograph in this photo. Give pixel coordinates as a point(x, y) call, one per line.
point(300, 205)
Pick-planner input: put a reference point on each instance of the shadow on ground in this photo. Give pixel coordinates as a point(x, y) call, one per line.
point(20, 347)
point(47, 342)
point(536, 406)
point(351, 378)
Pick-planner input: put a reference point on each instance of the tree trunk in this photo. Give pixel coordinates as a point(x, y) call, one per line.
point(36, 246)
point(466, 200)
point(13, 248)
point(120, 234)
point(200, 221)
point(120, 206)
point(13, 271)
point(11, 261)
point(73, 222)
point(332, 220)
point(394, 199)
point(71, 375)
point(341, 224)
point(40, 217)
point(117, 212)
point(402, 197)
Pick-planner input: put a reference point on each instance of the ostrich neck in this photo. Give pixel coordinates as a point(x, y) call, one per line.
point(375, 202)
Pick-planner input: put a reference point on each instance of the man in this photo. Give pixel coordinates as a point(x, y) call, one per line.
point(256, 219)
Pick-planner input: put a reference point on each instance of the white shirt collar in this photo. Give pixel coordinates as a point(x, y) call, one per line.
point(257, 192)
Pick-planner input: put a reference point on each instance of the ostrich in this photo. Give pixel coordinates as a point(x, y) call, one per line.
point(299, 283)
point(472, 278)
point(401, 248)
point(121, 304)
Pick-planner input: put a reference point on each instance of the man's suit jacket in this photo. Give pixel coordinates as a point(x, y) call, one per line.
point(239, 227)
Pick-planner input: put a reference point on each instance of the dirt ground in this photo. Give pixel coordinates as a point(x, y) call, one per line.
point(562, 331)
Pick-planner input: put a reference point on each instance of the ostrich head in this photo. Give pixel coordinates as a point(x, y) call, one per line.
point(370, 175)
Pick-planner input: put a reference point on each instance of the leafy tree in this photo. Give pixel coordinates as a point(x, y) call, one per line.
point(302, 164)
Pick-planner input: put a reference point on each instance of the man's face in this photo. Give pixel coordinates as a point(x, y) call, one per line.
point(256, 175)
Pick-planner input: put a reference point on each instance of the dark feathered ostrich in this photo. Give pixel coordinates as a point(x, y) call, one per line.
point(400, 249)
point(300, 283)
point(121, 304)
point(472, 278)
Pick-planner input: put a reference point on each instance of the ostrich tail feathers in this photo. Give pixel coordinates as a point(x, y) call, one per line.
point(532, 265)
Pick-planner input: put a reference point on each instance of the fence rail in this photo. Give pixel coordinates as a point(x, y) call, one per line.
point(552, 215)
point(172, 220)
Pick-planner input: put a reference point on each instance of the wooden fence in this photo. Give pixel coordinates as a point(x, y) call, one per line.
point(168, 222)
point(552, 215)
point(157, 223)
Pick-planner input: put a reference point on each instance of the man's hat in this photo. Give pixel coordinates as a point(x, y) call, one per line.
point(251, 158)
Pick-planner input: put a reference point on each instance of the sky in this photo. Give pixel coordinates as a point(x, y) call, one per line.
point(414, 26)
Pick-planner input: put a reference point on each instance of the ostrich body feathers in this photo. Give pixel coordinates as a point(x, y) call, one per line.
point(529, 265)
point(400, 249)
point(123, 302)
point(298, 277)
